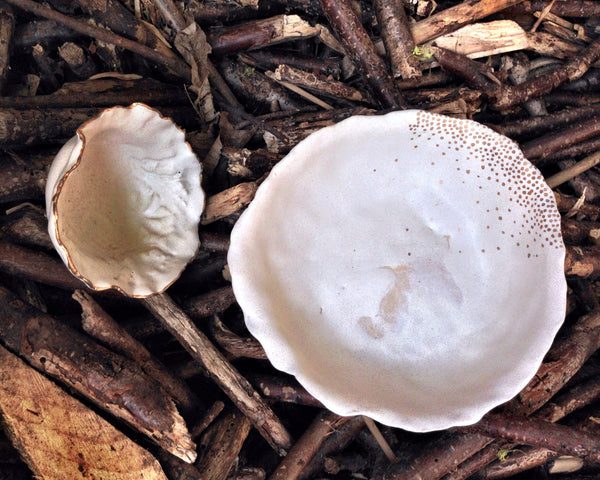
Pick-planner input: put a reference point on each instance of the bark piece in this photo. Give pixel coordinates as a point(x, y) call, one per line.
point(77, 59)
point(484, 39)
point(221, 444)
point(59, 437)
point(7, 26)
point(228, 202)
point(580, 232)
point(361, 50)
point(111, 381)
point(249, 164)
point(100, 325)
point(583, 262)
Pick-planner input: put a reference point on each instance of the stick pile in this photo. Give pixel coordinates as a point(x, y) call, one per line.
point(94, 385)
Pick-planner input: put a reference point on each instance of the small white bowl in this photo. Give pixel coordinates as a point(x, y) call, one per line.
point(124, 200)
point(408, 267)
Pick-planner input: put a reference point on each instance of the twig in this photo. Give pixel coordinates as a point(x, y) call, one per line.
point(214, 242)
point(575, 398)
point(563, 8)
point(478, 463)
point(539, 149)
point(306, 447)
point(42, 125)
point(104, 92)
point(260, 33)
point(20, 181)
point(539, 433)
point(573, 69)
point(570, 205)
point(571, 172)
point(28, 227)
point(118, 18)
point(397, 37)
point(233, 344)
point(542, 15)
point(209, 417)
point(272, 59)
point(476, 74)
point(536, 125)
point(381, 441)
point(255, 89)
point(38, 266)
point(574, 151)
point(339, 439)
point(222, 372)
point(284, 389)
point(357, 43)
point(318, 84)
point(299, 91)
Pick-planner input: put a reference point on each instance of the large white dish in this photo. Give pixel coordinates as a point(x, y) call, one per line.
point(408, 267)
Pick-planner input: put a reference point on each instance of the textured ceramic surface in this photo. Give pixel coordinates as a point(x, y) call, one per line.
point(124, 201)
point(408, 267)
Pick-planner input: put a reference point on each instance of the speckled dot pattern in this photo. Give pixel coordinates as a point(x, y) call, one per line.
point(493, 164)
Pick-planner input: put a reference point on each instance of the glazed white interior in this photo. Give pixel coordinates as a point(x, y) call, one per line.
point(408, 267)
point(128, 208)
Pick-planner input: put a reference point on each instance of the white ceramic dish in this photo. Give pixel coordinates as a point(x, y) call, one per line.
point(408, 267)
point(124, 200)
